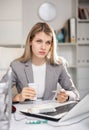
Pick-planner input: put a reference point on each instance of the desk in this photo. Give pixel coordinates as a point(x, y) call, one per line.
point(82, 125)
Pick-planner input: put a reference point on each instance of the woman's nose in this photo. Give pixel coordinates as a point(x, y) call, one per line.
point(43, 46)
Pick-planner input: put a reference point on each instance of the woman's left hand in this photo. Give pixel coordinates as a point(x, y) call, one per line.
point(62, 96)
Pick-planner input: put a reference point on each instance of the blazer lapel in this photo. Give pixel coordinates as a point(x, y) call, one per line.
point(28, 72)
point(48, 81)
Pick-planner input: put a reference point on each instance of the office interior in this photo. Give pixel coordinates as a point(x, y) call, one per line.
point(18, 16)
point(16, 19)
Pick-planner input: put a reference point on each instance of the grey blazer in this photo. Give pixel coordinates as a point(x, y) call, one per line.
point(22, 74)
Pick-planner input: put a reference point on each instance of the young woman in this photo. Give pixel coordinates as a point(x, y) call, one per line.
point(40, 64)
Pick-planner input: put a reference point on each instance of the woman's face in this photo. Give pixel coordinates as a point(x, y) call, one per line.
point(41, 45)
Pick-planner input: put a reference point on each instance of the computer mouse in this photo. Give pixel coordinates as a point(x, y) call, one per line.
point(13, 109)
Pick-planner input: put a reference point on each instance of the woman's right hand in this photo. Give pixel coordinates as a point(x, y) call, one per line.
point(27, 93)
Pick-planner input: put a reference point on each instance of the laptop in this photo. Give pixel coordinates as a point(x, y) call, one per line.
point(80, 109)
point(64, 112)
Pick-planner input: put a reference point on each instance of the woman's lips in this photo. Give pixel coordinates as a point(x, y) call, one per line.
point(41, 52)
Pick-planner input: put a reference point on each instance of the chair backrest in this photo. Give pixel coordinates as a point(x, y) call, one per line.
point(7, 55)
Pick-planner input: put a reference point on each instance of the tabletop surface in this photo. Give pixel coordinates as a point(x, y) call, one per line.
point(82, 124)
point(20, 121)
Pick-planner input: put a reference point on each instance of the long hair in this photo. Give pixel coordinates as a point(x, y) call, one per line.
point(40, 27)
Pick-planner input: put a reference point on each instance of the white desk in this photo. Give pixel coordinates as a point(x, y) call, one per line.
point(69, 125)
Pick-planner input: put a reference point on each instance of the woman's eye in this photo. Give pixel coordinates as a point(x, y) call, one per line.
point(38, 41)
point(48, 43)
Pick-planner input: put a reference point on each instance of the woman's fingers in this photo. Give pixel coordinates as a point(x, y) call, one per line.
point(62, 96)
point(28, 93)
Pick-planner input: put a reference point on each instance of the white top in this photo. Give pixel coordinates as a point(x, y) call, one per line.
point(39, 78)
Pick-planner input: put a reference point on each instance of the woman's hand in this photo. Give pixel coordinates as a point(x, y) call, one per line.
point(62, 96)
point(27, 93)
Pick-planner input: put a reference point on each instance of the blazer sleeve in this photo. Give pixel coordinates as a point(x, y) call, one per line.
point(67, 84)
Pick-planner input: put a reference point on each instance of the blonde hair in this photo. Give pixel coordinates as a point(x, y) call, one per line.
point(40, 27)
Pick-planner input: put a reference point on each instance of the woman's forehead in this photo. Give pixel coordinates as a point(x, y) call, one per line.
point(43, 35)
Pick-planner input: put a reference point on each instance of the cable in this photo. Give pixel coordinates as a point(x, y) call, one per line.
point(14, 115)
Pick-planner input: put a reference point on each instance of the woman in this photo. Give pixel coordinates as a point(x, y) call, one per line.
point(40, 64)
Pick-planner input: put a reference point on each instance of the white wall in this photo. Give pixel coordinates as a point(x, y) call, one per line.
point(18, 16)
point(11, 20)
point(30, 13)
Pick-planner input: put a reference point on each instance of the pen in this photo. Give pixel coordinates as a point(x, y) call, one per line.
point(56, 91)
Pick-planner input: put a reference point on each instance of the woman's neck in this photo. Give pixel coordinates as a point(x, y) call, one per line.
point(38, 61)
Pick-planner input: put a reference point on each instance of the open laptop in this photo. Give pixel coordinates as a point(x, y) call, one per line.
point(64, 112)
point(50, 110)
point(80, 109)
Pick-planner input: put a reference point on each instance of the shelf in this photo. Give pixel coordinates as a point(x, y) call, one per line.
point(84, 66)
point(83, 11)
point(68, 51)
point(83, 1)
point(12, 46)
point(83, 21)
point(72, 66)
point(83, 33)
point(66, 44)
point(83, 44)
point(83, 41)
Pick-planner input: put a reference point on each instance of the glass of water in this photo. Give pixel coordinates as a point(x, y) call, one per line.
point(5, 107)
point(5, 104)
